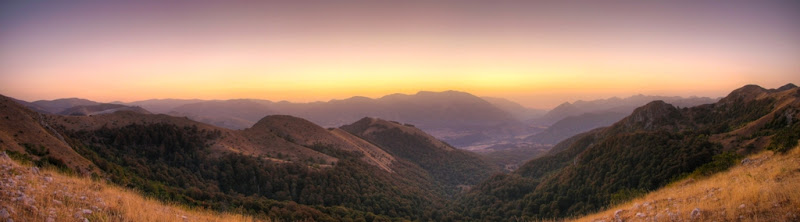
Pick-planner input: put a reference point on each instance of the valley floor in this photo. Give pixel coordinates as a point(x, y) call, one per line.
point(32, 194)
point(764, 187)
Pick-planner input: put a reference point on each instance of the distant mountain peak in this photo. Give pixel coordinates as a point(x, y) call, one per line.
point(103, 108)
point(67, 99)
point(786, 87)
point(654, 106)
point(750, 88)
point(371, 125)
point(451, 166)
point(429, 94)
point(58, 105)
point(372, 121)
point(747, 92)
point(441, 92)
point(286, 119)
point(650, 115)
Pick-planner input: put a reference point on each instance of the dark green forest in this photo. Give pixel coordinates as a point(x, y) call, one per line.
point(596, 169)
point(449, 167)
point(656, 145)
point(173, 163)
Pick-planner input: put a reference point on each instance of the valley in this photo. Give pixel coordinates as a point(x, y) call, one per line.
point(395, 111)
point(289, 168)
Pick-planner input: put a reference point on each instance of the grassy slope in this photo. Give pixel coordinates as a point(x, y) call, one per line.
point(762, 189)
point(51, 196)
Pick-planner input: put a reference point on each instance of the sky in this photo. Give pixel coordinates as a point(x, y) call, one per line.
point(536, 53)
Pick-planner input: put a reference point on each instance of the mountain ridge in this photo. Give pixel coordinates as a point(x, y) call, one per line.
point(615, 104)
point(732, 195)
point(450, 166)
point(655, 144)
point(281, 163)
point(25, 131)
point(102, 108)
point(290, 168)
point(450, 115)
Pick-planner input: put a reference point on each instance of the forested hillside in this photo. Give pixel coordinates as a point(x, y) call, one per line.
point(655, 145)
point(284, 168)
point(174, 163)
point(288, 168)
point(446, 164)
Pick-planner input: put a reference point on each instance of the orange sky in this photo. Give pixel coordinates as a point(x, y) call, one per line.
point(537, 54)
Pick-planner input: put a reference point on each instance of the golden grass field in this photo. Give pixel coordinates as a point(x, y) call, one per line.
point(50, 196)
point(764, 187)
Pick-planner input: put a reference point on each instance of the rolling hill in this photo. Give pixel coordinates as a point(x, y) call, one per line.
point(515, 109)
point(59, 105)
point(570, 119)
point(289, 168)
point(305, 133)
point(26, 133)
point(460, 118)
point(282, 167)
point(656, 144)
point(162, 105)
point(574, 125)
point(761, 187)
point(46, 194)
point(103, 108)
point(445, 163)
point(615, 104)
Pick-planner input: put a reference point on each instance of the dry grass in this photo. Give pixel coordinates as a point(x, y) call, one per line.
point(49, 196)
point(765, 188)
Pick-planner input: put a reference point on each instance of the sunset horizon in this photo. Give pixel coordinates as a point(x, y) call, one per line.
point(573, 99)
point(353, 110)
point(536, 54)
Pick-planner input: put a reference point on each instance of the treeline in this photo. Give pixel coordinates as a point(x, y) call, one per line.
point(604, 171)
point(590, 171)
point(449, 167)
point(174, 163)
point(40, 156)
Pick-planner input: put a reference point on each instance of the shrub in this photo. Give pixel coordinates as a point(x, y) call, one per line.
point(721, 162)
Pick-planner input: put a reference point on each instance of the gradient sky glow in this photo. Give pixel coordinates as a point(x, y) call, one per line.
point(537, 54)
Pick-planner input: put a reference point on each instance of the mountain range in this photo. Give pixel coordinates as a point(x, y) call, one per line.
point(569, 119)
point(656, 144)
point(459, 118)
point(503, 131)
point(362, 170)
point(289, 168)
point(616, 105)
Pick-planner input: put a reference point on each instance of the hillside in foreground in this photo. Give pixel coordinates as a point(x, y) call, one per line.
point(655, 145)
point(284, 167)
point(33, 194)
point(762, 187)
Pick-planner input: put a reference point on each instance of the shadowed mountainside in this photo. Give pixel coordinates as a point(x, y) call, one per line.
point(103, 108)
point(656, 144)
point(569, 119)
point(283, 167)
point(762, 187)
point(59, 105)
point(573, 125)
point(42, 194)
point(515, 109)
point(617, 105)
point(25, 131)
point(445, 163)
point(459, 118)
point(289, 168)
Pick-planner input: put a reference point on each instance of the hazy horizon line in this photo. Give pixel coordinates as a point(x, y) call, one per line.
point(378, 97)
